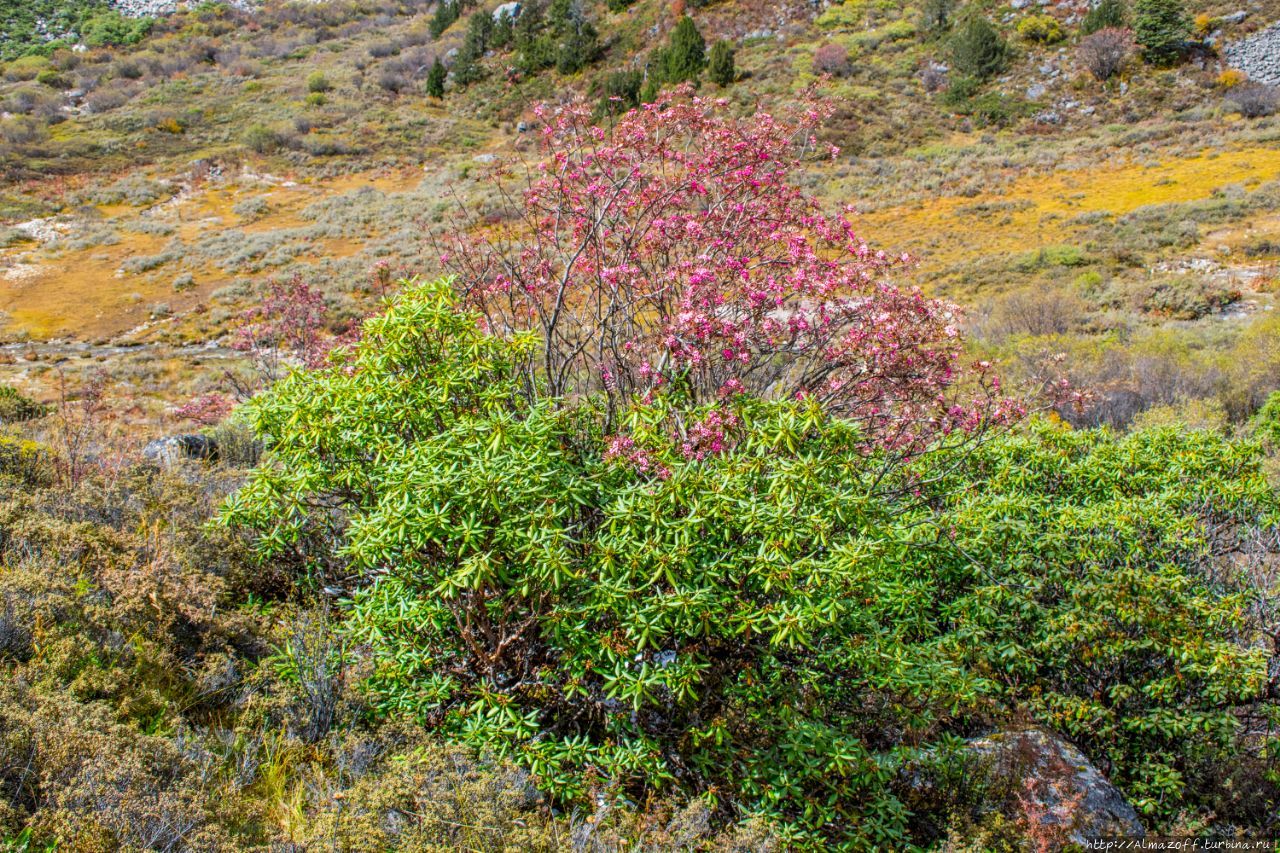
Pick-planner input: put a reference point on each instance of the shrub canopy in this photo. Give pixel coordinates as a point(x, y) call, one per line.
point(785, 625)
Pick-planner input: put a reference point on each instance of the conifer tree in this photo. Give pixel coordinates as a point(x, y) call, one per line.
point(435, 79)
point(686, 55)
point(1161, 28)
point(720, 66)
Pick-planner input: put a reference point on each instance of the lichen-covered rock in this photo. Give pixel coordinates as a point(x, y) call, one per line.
point(1057, 787)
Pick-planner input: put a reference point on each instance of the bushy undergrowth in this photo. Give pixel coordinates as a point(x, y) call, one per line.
point(159, 691)
point(783, 624)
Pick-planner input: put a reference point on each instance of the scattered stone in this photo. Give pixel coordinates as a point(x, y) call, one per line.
point(1258, 55)
point(172, 450)
point(145, 8)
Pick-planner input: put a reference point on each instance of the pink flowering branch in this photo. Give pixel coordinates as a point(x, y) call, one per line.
point(674, 250)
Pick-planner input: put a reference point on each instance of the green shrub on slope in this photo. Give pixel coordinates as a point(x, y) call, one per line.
point(775, 625)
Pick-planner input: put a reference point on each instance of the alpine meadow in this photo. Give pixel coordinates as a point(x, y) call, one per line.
point(639, 425)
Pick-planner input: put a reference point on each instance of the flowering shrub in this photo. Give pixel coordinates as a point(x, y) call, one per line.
point(673, 253)
point(288, 322)
point(754, 609)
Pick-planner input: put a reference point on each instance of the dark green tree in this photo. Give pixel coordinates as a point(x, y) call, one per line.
point(479, 30)
point(978, 50)
point(619, 91)
point(720, 66)
point(467, 68)
point(1105, 15)
point(504, 32)
point(535, 46)
point(577, 44)
point(686, 55)
point(447, 12)
point(935, 17)
point(1161, 28)
point(435, 79)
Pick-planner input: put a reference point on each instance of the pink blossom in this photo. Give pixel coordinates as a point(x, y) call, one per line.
point(676, 248)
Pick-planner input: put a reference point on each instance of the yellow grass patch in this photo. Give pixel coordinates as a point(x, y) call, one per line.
point(1035, 210)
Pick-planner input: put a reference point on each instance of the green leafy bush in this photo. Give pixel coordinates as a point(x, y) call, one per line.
point(318, 83)
point(16, 407)
point(114, 29)
point(779, 623)
point(1041, 29)
point(26, 462)
point(263, 139)
point(1267, 421)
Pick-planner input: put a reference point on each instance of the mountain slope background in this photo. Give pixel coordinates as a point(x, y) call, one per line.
point(151, 187)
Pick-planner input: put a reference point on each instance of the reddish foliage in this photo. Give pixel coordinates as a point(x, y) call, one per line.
point(206, 409)
point(286, 327)
point(831, 59)
point(288, 322)
point(673, 250)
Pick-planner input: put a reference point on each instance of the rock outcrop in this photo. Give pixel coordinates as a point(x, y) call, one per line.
point(145, 8)
point(1258, 55)
point(174, 449)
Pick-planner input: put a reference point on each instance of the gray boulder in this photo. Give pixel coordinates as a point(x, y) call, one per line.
point(1071, 794)
point(506, 10)
point(172, 450)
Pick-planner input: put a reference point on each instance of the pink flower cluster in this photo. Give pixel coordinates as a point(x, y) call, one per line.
point(625, 448)
point(207, 409)
point(709, 435)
